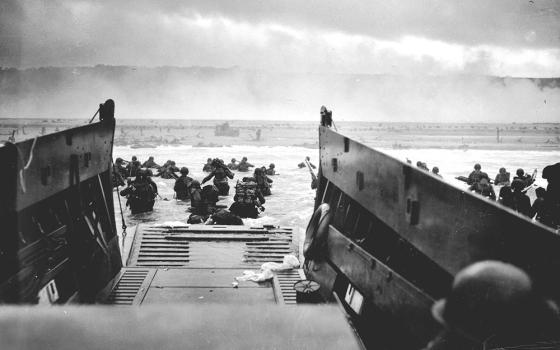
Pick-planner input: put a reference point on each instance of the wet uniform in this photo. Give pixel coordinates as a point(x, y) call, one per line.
point(141, 194)
point(150, 164)
point(118, 175)
point(182, 187)
point(248, 200)
point(527, 180)
point(263, 182)
point(483, 188)
point(200, 204)
point(233, 165)
point(501, 179)
point(220, 174)
point(476, 176)
point(132, 168)
point(168, 172)
point(244, 166)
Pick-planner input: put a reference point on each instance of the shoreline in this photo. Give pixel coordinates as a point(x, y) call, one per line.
point(153, 133)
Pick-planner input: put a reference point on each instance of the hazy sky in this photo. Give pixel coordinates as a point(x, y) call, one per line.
point(497, 37)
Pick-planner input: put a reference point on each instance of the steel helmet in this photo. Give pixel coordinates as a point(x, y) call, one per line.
point(195, 184)
point(486, 297)
point(184, 170)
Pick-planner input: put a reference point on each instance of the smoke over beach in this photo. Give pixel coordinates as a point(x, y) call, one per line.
point(234, 93)
point(379, 61)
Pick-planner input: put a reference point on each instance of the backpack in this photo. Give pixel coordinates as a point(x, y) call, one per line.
point(144, 192)
point(246, 192)
point(210, 194)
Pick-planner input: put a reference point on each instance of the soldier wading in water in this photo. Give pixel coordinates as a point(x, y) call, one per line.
point(220, 173)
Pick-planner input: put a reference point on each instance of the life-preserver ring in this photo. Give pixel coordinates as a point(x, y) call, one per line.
point(316, 232)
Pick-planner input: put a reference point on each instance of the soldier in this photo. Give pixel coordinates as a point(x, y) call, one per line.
point(244, 165)
point(248, 200)
point(526, 178)
point(476, 175)
point(422, 165)
point(118, 173)
point(493, 305)
point(505, 197)
point(263, 181)
point(435, 171)
point(308, 160)
point(270, 170)
point(521, 202)
point(233, 165)
point(484, 188)
point(502, 178)
point(141, 193)
point(168, 170)
point(150, 163)
point(224, 217)
point(220, 174)
point(132, 167)
point(538, 205)
point(208, 166)
point(182, 185)
point(551, 206)
point(204, 201)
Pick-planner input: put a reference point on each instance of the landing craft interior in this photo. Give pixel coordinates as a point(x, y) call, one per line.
point(378, 246)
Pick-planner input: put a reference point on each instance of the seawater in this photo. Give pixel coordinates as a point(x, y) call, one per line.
point(291, 202)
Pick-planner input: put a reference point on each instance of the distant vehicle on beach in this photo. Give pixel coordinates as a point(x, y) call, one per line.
point(226, 130)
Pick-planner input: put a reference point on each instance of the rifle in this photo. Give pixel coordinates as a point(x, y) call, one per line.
point(531, 182)
point(314, 180)
point(466, 179)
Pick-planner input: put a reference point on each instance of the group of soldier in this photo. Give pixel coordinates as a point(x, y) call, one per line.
point(141, 190)
point(545, 208)
point(424, 166)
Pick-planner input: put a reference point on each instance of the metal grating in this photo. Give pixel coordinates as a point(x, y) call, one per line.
point(128, 287)
point(272, 250)
point(284, 285)
point(179, 246)
point(157, 251)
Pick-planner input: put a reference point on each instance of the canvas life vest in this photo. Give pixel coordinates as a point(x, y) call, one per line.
point(246, 192)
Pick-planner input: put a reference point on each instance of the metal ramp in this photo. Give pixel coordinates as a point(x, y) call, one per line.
point(198, 264)
point(204, 245)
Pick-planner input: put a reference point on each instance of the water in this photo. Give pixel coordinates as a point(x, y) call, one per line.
point(291, 203)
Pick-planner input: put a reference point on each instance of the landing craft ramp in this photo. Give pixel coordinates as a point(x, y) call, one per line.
point(198, 264)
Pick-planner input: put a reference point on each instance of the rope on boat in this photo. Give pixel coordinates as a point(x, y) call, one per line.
point(122, 214)
point(92, 118)
point(21, 177)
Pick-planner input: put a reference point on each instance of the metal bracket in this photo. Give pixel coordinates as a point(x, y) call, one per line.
point(46, 173)
point(413, 211)
point(87, 158)
point(360, 180)
point(334, 163)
